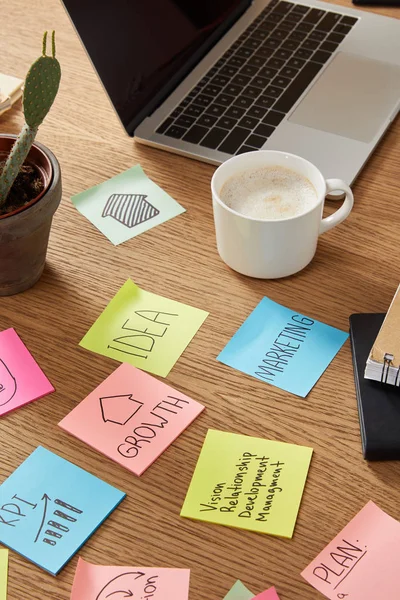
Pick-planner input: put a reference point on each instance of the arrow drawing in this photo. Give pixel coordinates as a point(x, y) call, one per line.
point(8, 384)
point(129, 209)
point(46, 498)
point(119, 409)
point(127, 593)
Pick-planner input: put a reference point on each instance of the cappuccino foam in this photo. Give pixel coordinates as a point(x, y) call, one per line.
point(269, 193)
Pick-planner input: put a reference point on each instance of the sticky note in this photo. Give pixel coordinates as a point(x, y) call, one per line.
point(270, 594)
point(21, 378)
point(103, 582)
point(143, 329)
point(248, 482)
point(239, 592)
point(282, 347)
point(3, 573)
point(50, 507)
point(131, 417)
point(362, 561)
point(126, 205)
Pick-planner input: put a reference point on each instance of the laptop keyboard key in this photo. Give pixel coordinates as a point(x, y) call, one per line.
point(248, 122)
point(260, 82)
point(310, 45)
point(303, 53)
point(264, 130)
point(320, 56)
point(317, 36)
point(256, 111)
point(193, 110)
point(257, 61)
point(273, 91)
point(195, 134)
point(328, 47)
point(265, 101)
point(236, 61)
point(335, 37)
point(300, 8)
point(212, 90)
point(243, 102)
point(276, 63)
point(175, 132)
point(235, 112)
point(220, 80)
point(251, 91)
point(203, 100)
point(164, 126)
point(214, 138)
point(296, 63)
point(244, 149)
point(342, 29)
point(227, 122)
point(249, 70)
point(273, 117)
point(234, 140)
point(256, 141)
point(241, 80)
point(297, 87)
point(306, 27)
point(328, 22)
point(280, 34)
point(264, 52)
point(232, 89)
point(206, 120)
point(225, 99)
point(348, 20)
point(185, 121)
point(299, 36)
point(282, 53)
point(290, 45)
point(228, 70)
point(314, 15)
point(268, 72)
point(288, 72)
point(281, 81)
point(216, 110)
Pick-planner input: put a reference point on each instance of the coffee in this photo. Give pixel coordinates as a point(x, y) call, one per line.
point(269, 193)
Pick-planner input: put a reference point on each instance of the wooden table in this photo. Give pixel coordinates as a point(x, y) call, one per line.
point(354, 271)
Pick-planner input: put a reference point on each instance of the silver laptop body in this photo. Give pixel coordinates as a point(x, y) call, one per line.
point(335, 122)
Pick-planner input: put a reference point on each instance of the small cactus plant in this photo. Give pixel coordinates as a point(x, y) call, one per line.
point(40, 90)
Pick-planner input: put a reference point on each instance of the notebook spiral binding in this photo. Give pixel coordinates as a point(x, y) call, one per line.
point(387, 363)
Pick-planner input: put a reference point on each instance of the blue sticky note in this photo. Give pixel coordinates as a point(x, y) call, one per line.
point(282, 347)
point(49, 507)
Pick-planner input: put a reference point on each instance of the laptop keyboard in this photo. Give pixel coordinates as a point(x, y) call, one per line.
point(246, 94)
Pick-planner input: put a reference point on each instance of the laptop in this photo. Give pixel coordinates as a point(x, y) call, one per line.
point(210, 79)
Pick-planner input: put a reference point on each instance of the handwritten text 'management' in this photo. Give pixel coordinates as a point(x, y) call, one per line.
point(285, 346)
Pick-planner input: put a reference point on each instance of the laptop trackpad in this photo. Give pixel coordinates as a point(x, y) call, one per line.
point(353, 98)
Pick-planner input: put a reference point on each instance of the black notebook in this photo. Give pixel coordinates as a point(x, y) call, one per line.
point(378, 403)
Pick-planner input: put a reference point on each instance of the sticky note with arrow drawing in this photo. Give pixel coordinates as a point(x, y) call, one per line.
point(131, 417)
point(50, 507)
point(102, 582)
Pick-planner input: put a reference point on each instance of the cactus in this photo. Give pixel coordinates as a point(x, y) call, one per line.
point(40, 89)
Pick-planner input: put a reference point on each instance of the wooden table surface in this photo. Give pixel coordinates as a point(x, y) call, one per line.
point(355, 270)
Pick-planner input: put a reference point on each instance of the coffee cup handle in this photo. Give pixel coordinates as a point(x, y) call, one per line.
point(333, 185)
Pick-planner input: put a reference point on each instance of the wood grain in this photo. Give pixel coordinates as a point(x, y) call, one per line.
point(354, 271)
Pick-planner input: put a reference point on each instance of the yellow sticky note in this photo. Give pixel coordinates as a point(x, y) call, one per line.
point(3, 574)
point(143, 329)
point(248, 482)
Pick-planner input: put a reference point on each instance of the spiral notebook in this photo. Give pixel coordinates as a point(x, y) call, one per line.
point(378, 405)
point(383, 363)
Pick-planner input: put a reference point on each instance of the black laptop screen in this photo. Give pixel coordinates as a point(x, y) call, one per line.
point(139, 46)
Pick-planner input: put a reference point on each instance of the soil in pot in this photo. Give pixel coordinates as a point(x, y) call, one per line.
point(27, 186)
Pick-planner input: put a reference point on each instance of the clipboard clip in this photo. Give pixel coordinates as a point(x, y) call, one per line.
point(387, 361)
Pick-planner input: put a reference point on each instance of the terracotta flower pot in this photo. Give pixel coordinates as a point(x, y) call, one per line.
point(24, 233)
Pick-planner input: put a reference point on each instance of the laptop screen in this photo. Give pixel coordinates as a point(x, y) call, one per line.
point(139, 46)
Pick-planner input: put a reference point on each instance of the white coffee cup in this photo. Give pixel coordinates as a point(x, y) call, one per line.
point(276, 247)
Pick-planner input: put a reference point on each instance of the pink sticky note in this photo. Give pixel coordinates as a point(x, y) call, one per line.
point(363, 560)
point(269, 594)
point(21, 378)
point(102, 583)
point(131, 417)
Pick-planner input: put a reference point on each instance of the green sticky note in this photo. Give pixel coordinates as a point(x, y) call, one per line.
point(143, 329)
point(239, 592)
point(126, 205)
point(248, 482)
point(3, 574)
